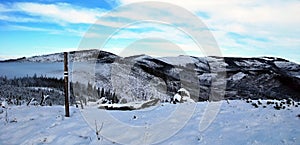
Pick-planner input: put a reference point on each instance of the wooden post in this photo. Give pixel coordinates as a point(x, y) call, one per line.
point(66, 84)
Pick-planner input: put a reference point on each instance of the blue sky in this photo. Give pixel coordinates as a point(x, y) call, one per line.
point(247, 28)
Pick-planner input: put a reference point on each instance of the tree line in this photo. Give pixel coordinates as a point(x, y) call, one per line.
point(24, 89)
point(34, 81)
point(92, 93)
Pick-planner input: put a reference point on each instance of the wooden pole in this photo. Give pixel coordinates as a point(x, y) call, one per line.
point(66, 74)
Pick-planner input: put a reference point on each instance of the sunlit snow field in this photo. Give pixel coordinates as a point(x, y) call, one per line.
point(235, 123)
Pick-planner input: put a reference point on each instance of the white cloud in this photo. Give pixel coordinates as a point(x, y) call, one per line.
point(249, 11)
point(154, 30)
point(16, 18)
point(178, 21)
point(61, 13)
point(148, 35)
point(5, 8)
point(26, 28)
point(277, 22)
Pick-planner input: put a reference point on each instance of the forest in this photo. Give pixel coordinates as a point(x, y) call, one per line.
point(42, 90)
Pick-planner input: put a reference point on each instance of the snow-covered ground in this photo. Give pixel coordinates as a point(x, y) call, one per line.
point(236, 123)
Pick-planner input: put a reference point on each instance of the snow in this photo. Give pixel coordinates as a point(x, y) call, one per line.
point(78, 56)
point(269, 58)
point(3, 104)
point(287, 65)
point(177, 97)
point(46, 96)
point(33, 102)
point(185, 96)
point(181, 60)
point(129, 85)
point(42, 88)
point(236, 123)
point(131, 105)
point(237, 76)
point(188, 99)
point(291, 68)
point(187, 93)
point(207, 78)
point(252, 63)
point(216, 64)
point(58, 57)
point(101, 100)
point(38, 125)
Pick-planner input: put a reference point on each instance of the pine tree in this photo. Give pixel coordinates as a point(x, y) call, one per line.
point(115, 98)
point(98, 93)
point(102, 92)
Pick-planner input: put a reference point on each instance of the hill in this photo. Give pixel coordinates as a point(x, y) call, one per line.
point(144, 77)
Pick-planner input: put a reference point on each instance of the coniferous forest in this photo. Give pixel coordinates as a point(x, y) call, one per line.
point(42, 90)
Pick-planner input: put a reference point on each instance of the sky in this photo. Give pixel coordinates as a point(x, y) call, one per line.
point(247, 28)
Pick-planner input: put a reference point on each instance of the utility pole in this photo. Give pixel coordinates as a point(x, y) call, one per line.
point(66, 86)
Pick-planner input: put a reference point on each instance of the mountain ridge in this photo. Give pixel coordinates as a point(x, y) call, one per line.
point(143, 77)
point(59, 56)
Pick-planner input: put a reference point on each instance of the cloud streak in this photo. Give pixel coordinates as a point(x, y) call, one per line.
point(60, 13)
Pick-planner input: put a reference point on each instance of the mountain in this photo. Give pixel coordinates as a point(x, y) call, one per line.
point(144, 77)
point(82, 55)
point(265, 77)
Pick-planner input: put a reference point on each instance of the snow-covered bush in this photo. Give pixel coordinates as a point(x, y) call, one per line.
point(183, 92)
point(4, 104)
point(33, 102)
point(102, 100)
point(249, 100)
point(177, 98)
point(182, 95)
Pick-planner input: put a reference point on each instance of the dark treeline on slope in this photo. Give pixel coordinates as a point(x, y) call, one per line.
point(84, 93)
point(25, 90)
point(33, 81)
point(22, 90)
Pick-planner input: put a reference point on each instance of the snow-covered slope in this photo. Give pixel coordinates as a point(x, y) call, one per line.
point(235, 123)
point(142, 77)
point(77, 56)
point(244, 77)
